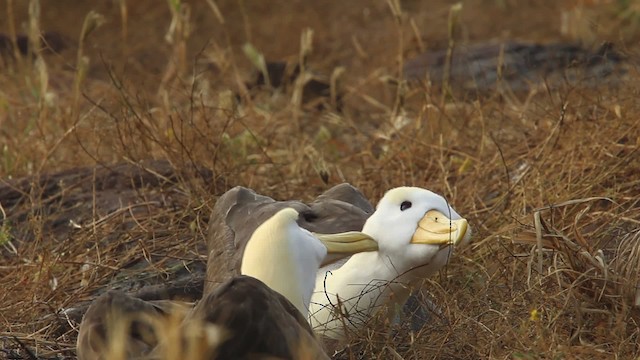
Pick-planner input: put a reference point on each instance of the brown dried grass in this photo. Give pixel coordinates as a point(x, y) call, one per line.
point(549, 181)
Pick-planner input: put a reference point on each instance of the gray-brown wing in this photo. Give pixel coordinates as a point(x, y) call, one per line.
point(258, 322)
point(339, 209)
point(349, 194)
point(239, 211)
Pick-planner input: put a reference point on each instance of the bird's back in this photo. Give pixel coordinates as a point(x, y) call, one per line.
point(260, 323)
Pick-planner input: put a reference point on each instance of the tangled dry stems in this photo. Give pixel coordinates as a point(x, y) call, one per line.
point(548, 179)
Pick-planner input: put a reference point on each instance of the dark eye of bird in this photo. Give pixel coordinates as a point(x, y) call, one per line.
point(405, 205)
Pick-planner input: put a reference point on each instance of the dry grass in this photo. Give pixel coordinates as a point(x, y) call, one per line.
point(549, 179)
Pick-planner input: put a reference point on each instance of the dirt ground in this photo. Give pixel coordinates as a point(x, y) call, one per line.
point(116, 140)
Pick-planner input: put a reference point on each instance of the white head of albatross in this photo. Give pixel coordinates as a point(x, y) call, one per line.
point(287, 257)
point(416, 230)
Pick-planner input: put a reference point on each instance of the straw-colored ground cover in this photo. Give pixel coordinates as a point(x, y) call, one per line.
point(114, 149)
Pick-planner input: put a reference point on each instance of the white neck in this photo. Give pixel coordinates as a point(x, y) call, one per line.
point(273, 266)
point(286, 259)
point(363, 284)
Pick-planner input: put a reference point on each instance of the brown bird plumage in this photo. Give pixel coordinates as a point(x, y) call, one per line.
point(262, 323)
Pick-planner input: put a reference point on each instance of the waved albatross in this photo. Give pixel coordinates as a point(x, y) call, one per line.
point(259, 314)
point(416, 231)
